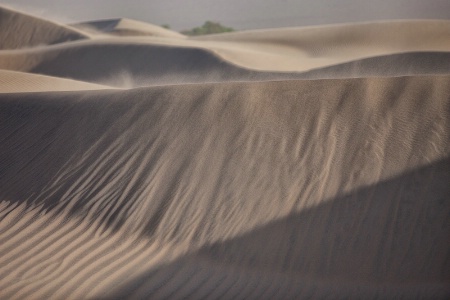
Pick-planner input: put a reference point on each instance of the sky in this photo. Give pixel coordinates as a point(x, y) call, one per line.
point(240, 14)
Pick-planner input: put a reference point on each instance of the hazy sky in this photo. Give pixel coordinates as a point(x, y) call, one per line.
point(241, 14)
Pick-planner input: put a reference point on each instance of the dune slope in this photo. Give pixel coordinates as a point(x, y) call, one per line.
point(362, 50)
point(18, 82)
point(127, 27)
point(210, 167)
point(135, 65)
point(19, 30)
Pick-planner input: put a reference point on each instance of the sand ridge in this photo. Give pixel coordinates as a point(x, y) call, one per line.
point(127, 27)
point(21, 30)
point(197, 168)
point(358, 50)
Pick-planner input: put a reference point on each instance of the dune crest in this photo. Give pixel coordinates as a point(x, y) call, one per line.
point(339, 51)
point(128, 27)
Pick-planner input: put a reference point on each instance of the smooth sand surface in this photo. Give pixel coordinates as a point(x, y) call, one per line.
point(19, 30)
point(127, 27)
point(303, 163)
point(18, 82)
point(354, 50)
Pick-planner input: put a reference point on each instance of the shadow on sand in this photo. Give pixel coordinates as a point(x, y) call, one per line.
point(390, 240)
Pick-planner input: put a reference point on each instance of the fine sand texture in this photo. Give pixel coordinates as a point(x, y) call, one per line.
point(296, 163)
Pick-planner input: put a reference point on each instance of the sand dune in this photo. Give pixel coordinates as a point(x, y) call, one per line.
point(301, 49)
point(136, 65)
point(127, 27)
point(359, 51)
point(215, 172)
point(18, 82)
point(19, 30)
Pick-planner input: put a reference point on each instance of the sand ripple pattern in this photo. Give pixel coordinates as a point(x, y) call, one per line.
point(296, 163)
point(225, 191)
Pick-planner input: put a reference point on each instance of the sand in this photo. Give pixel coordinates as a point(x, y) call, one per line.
point(20, 30)
point(126, 27)
point(297, 163)
point(19, 82)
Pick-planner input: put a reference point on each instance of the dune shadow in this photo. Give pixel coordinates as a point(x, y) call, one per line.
point(393, 233)
point(126, 65)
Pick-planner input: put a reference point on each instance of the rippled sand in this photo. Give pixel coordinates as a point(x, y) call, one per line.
point(296, 163)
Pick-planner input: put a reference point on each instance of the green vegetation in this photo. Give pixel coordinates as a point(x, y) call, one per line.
point(167, 26)
point(208, 28)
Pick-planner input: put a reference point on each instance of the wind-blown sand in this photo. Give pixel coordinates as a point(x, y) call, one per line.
point(167, 167)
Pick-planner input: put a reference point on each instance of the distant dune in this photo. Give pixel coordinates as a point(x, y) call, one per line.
point(20, 30)
point(127, 27)
point(297, 163)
